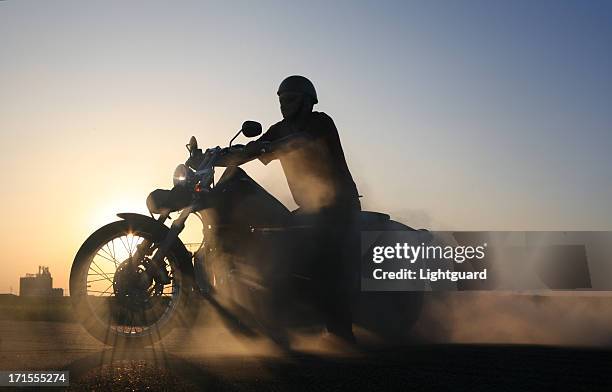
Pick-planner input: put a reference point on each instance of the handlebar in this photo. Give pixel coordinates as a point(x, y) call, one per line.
point(239, 154)
point(203, 163)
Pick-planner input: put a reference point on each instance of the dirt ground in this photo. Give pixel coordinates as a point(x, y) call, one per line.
point(461, 343)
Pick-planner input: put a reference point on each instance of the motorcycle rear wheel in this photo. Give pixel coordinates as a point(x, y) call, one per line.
point(118, 314)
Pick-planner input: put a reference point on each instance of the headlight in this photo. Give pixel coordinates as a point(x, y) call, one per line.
point(182, 175)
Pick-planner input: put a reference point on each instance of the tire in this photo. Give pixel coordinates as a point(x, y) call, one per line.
point(104, 315)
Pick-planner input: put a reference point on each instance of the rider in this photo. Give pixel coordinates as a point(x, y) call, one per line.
point(308, 147)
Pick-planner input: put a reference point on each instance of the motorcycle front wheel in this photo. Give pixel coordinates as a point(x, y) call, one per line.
point(114, 297)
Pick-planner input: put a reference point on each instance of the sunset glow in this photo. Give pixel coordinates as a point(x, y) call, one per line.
point(449, 117)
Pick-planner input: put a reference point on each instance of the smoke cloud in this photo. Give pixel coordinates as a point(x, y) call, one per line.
point(564, 319)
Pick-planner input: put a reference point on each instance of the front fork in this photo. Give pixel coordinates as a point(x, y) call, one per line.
point(157, 267)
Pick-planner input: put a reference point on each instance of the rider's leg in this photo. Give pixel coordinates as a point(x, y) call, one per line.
point(332, 282)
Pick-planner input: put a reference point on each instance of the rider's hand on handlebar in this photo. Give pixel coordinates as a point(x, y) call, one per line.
point(195, 159)
point(256, 148)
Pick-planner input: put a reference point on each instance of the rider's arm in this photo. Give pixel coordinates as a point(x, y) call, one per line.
point(268, 151)
point(266, 148)
point(234, 156)
point(263, 150)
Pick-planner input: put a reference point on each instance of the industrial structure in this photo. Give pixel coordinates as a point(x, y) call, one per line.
point(39, 285)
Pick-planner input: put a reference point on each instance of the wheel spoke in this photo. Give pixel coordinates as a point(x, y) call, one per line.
point(102, 292)
point(96, 280)
point(129, 239)
point(111, 255)
point(101, 271)
point(127, 249)
point(106, 258)
point(114, 253)
point(134, 242)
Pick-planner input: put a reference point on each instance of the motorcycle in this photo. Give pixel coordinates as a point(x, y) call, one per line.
point(133, 280)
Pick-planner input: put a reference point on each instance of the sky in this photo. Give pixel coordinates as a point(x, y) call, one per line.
point(469, 115)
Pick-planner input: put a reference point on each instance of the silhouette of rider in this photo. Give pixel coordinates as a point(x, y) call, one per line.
point(308, 147)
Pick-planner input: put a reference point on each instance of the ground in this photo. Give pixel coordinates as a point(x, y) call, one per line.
point(462, 341)
point(209, 358)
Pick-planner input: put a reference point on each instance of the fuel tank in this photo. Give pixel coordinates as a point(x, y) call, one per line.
point(240, 201)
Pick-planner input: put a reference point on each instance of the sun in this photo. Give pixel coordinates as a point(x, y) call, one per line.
point(109, 208)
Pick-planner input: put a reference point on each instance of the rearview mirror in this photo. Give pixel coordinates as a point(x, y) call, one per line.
point(193, 144)
point(251, 128)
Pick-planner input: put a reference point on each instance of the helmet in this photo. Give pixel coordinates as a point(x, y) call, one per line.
point(298, 84)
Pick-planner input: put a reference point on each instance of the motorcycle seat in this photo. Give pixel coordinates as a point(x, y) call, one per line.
point(364, 218)
point(371, 217)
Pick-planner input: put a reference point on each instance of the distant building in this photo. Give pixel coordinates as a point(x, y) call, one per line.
point(39, 285)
